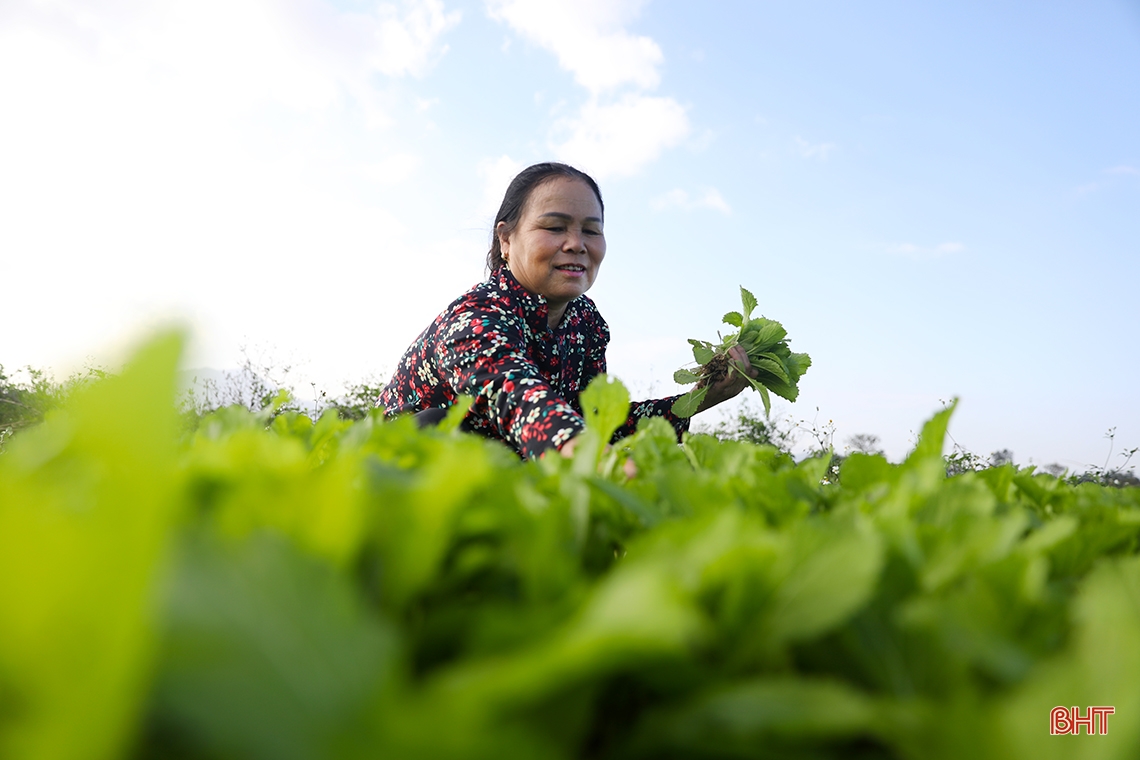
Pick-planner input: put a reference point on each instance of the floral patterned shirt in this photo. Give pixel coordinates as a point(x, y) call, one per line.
point(494, 343)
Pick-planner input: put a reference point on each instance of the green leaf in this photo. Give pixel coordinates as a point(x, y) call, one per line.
point(835, 572)
point(605, 404)
point(734, 318)
point(758, 712)
point(702, 352)
point(748, 300)
point(933, 436)
point(748, 338)
point(1052, 533)
point(87, 502)
point(759, 387)
point(456, 414)
point(767, 401)
point(768, 333)
point(784, 390)
point(626, 498)
point(687, 405)
point(771, 366)
point(420, 513)
point(268, 653)
point(771, 356)
point(859, 471)
point(685, 377)
point(1097, 667)
point(797, 365)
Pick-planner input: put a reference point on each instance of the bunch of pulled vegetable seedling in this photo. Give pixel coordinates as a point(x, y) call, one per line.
point(778, 368)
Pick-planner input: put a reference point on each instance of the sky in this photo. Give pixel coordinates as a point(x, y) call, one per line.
point(937, 199)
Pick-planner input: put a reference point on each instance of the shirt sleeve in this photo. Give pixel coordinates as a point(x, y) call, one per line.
point(638, 409)
point(662, 407)
point(482, 352)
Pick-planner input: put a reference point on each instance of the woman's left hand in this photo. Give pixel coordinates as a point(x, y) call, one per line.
point(733, 382)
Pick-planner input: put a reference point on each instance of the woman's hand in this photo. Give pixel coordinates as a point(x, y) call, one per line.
point(567, 450)
point(733, 382)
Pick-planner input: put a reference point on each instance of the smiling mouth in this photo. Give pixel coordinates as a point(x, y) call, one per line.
point(571, 268)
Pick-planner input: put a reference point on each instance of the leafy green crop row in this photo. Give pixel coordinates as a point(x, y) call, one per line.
point(304, 589)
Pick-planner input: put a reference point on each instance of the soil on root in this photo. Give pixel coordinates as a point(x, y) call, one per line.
point(715, 371)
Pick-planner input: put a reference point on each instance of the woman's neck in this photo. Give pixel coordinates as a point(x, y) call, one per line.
point(554, 314)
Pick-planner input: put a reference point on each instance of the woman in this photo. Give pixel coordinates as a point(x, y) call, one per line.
point(527, 341)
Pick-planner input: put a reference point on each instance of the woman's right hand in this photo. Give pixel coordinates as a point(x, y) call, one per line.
point(733, 382)
point(568, 448)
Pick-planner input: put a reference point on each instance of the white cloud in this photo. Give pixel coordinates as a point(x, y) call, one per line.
point(912, 251)
point(710, 198)
point(814, 150)
point(407, 38)
point(497, 173)
point(189, 156)
point(237, 53)
point(587, 38)
point(702, 141)
point(1122, 170)
point(673, 199)
point(620, 128)
point(619, 138)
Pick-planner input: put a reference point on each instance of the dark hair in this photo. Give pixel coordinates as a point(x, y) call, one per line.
point(517, 195)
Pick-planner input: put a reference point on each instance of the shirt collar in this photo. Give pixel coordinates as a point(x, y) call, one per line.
point(535, 308)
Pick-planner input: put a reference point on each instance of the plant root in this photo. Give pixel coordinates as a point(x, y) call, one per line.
point(715, 371)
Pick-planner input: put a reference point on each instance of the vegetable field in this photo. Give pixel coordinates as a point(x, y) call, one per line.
point(290, 588)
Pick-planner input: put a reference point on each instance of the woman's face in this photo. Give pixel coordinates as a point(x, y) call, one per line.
point(558, 244)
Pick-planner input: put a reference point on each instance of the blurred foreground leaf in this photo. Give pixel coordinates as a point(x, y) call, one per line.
point(86, 505)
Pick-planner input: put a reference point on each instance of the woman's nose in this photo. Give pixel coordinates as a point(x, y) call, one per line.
point(575, 241)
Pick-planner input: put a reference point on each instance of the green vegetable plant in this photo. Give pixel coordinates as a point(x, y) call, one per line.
point(272, 586)
point(765, 340)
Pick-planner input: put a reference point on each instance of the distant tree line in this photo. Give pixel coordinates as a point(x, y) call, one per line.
point(28, 395)
point(783, 431)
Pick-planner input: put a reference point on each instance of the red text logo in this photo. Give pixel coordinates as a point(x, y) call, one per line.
point(1068, 720)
